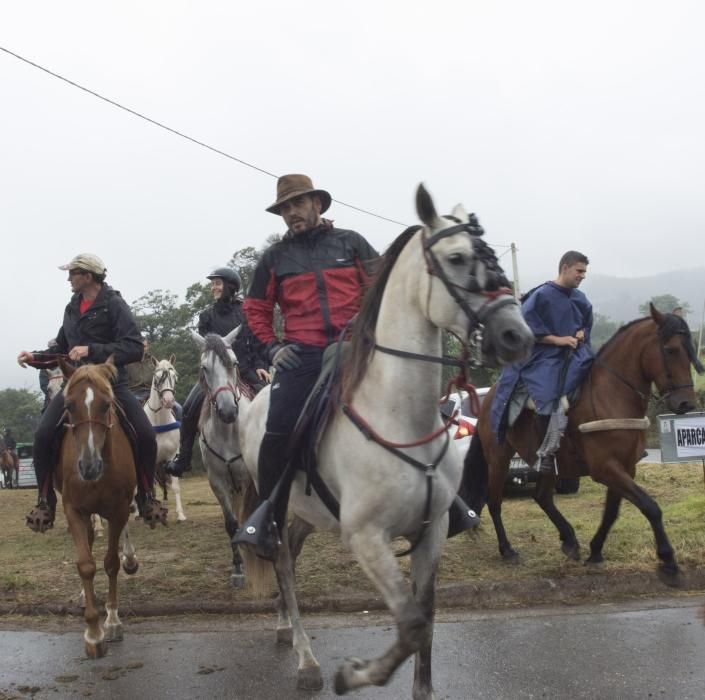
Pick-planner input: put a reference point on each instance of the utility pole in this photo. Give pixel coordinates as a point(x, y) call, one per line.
point(700, 336)
point(515, 271)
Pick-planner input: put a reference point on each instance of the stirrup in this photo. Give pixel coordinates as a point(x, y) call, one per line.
point(151, 510)
point(461, 517)
point(40, 518)
point(174, 467)
point(260, 532)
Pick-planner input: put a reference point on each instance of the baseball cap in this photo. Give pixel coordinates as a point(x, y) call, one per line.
point(87, 262)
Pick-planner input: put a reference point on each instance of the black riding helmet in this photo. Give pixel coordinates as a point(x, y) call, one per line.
point(231, 278)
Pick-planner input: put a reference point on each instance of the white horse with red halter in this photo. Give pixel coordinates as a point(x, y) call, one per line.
point(438, 278)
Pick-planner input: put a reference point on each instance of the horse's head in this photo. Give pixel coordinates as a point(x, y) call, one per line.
point(56, 381)
point(668, 362)
point(466, 289)
point(218, 373)
point(164, 381)
point(88, 398)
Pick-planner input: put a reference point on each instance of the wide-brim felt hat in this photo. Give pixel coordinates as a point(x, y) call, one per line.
point(290, 186)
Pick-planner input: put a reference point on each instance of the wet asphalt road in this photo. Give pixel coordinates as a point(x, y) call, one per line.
point(638, 650)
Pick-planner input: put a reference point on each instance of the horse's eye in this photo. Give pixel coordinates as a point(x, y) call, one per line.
point(456, 259)
point(670, 350)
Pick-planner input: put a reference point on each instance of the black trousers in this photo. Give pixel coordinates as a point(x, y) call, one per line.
point(290, 389)
point(47, 439)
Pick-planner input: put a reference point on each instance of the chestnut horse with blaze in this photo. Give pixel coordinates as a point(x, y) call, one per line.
point(96, 474)
point(604, 438)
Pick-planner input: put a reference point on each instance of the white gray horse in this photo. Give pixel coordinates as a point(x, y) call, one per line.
point(227, 474)
point(159, 409)
point(435, 277)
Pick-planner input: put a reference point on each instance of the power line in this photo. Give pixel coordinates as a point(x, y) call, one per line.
point(179, 133)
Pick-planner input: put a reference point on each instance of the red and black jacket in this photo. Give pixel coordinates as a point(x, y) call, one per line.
point(317, 279)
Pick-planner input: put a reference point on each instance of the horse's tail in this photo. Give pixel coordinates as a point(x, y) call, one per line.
point(473, 487)
point(259, 572)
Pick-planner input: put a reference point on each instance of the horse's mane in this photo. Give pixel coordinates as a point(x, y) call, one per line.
point(215, 344)
point(363, 336)
point(670, 325)
point(101, 376)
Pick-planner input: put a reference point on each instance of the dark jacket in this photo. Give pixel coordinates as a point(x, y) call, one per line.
point(221, 318)
point(317, 279)
point(107, 328)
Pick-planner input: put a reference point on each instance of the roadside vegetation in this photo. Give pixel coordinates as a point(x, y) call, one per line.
point(190, 562)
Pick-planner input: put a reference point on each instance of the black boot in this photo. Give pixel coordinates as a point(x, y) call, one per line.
point(262, 529)
point(189, 428)
point(461, 517)
point(150, 509)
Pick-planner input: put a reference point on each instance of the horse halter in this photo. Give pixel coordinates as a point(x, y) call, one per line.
point(496, 292)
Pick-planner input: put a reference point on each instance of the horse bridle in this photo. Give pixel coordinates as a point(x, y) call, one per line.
point(670, 386)
point(157, 384)
point(229, 387)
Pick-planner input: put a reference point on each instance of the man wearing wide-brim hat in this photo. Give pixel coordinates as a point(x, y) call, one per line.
point(316, 274)
point(97, 323)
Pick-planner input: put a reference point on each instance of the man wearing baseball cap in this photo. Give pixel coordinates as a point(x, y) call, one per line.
point(97, 323)
point(316, 274)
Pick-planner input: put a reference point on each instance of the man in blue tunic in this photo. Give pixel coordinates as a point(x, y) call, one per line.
point(561, 318)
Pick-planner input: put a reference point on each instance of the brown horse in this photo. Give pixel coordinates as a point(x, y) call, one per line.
point(96, 474)
point(9, 465)
point(598, 441)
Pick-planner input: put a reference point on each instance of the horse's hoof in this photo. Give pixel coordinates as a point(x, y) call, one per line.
point(285, 636)
point(128, 568)
point(511, 556)
point(670, 574)
point(113, 633)
point(96, 650)
point(594, 561)
point(572, 551)
point(309, 678)
point(180, 518)
point(237, 581)
point(345, 677)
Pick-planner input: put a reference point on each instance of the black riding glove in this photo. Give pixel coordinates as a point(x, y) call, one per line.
point(285, 357)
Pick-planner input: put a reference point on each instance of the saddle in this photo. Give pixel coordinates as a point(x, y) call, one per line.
point(312, 422)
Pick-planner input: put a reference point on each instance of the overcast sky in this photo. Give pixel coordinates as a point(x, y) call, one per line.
point(561, 124)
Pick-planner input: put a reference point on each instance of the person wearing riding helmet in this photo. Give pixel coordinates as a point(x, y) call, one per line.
point(221, 318)
point(97, 324)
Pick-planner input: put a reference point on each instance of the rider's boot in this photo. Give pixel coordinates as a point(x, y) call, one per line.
point(262, 529)
point(546, 464)
point(41, 517)
point(461, 517)
point(150, 509)
point(189, 428)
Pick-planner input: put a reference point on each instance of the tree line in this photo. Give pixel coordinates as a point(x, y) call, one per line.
point(167, 322)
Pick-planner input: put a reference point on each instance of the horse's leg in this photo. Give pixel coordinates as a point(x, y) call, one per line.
point(372, 550)
point(222, 487)
point(129, 558)
point(176, 488)
point(113, 626)
point(543, 495)
point(93, 636)
point(297, 531)
point(612, 503)
point(97, 523)
point(616, 478)
point(497, 476)
point(309, 671)
point(424, 565)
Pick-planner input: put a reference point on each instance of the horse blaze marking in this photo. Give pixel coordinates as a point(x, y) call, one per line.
point(88, 402)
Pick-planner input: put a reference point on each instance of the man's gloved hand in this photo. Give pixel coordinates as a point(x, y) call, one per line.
point(285, 357)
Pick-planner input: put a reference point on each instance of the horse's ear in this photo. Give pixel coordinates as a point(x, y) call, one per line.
point(153, 360)
point(110, 361)
point(67, 369)
point(199, 340)
point(172, 359)
point(655, 314)
point(460, 213)
point(425, 207)
point(230, 337)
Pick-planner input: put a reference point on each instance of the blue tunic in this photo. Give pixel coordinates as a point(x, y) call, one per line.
point(548, 309)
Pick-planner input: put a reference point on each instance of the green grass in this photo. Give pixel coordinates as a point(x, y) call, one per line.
point(191, 561)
